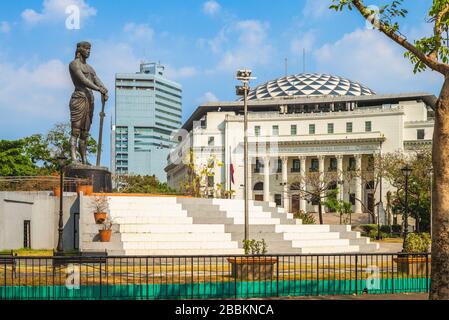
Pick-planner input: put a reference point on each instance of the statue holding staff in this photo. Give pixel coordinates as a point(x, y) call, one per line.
point(85, 81)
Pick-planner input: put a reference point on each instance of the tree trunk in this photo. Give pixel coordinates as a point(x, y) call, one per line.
point(440, 219)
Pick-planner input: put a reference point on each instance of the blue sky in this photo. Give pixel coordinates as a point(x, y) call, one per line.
point(201, 42)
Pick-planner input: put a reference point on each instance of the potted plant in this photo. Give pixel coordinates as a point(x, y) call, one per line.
point(100, 207)
point(87, 190)
point(257, 267)
point(410, 261)
point(106, 232)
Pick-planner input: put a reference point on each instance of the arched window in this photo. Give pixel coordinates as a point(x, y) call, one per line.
point(258, 186)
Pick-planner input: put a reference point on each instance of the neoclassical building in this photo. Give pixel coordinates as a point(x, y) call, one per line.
point(299, 124)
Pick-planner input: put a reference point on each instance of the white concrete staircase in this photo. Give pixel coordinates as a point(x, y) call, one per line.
point(187, 226)
point(155, 226)
point(282, 233)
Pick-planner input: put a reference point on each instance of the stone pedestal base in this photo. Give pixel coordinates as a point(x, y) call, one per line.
point(100, 176)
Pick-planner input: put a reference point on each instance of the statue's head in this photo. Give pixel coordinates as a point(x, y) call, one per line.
point(83, 49)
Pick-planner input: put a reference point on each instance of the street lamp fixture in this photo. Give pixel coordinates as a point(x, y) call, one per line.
point(244, 75)
point(406, 171)
point(61, 164)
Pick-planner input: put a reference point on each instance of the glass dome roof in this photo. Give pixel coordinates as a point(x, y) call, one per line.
point(308, 84)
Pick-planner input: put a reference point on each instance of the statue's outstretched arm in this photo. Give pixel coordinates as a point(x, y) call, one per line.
point(76, 71)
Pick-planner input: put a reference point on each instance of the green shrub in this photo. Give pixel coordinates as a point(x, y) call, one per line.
point(367, 228)
point(385, 229)
point(373, 234)
point(307, 218)
point(397, 228)
point(417, 243)
point(255, 247)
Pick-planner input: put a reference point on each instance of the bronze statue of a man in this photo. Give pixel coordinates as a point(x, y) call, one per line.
point(82, 102)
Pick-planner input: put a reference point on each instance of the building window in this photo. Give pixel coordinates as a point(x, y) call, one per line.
point(311, 129)
point(294, 130)
point(275, 130)
point(211, 141)
point(257, 131)
point(352, 164)
point(259, 166)
point(370, 185)
point(279, 166)
point(314, 165)
point(333, 165)
point(258, 186)
point(27, 234)
point(315, 201)
point(210, 181)
point(278, 200)
point(348, 127)
point(352, 198)
point(421, 134)
point(330, 128)
point(368, 126)
point(296, 165)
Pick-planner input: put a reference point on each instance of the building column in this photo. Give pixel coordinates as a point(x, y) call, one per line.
point(358, 184)
point(303, 202)
point(341, 183)
point(322, 172)
point(266, 181)
point(285, 183)
point(250, 179)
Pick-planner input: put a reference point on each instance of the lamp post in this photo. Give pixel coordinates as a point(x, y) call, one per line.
point(245, 77)
point(406, 171)
point(61, 162)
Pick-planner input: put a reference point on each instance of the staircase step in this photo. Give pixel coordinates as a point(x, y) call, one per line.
point(171, 228)
point(180, 245)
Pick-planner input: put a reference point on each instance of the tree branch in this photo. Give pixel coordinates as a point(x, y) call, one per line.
point(429, 61)
point(437, 30)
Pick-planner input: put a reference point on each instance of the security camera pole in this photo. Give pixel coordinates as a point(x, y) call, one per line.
point(245, 77)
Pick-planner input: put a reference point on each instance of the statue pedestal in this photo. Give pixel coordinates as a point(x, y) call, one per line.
point(100, 176)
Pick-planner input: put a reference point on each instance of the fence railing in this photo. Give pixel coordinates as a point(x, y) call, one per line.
point(40, 183)
point(210, 277)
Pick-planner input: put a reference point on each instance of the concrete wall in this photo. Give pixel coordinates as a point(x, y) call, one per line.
point(43, 212)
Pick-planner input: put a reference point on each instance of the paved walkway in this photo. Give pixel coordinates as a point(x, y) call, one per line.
point(405, 296)
point(385, 247)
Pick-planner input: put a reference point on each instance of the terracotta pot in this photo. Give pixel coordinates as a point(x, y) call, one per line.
point(56, 192)
point(86, 190)
point(253, 268)
point(105, 235)
point(100, 217)
point(418, 266)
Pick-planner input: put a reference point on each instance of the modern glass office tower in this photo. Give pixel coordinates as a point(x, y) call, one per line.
point(148, 109)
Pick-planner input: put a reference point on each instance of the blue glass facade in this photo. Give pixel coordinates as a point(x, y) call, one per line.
point(148, 109)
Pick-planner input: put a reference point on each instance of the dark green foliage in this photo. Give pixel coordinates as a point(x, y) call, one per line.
point(417, 243)
point(254, 247)
point(142, 184)
point(307, 218)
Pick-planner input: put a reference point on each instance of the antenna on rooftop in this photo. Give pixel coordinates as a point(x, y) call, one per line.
point(304, 60)
point(286, 67)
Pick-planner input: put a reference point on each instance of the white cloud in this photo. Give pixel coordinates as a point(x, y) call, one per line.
point(34, 93)
point(207, 97)
point(211, 7)
point(369, 57)
point(54, 10)
point(4, 27)
point(251, 45)
point(181, 73)
point(139, 32)
point(304, 41)
point(316, 8)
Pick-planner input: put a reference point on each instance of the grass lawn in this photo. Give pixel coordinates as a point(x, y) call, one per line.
point(34, 253)
point(390, 240)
